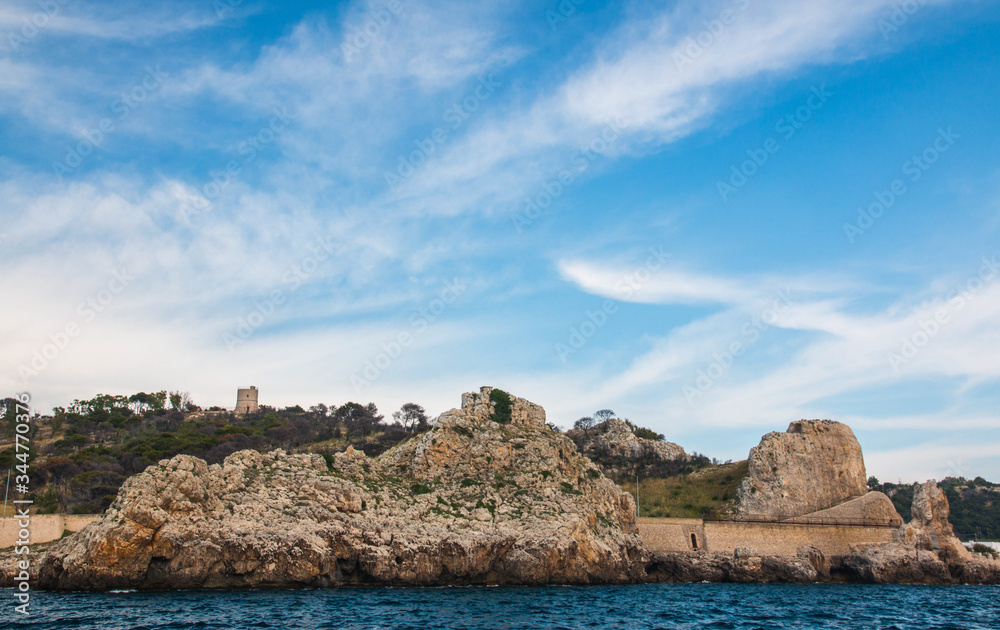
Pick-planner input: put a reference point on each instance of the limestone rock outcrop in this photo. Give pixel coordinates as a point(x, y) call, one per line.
point(723, 567)
point(929, 528)
point(614, 438)
point(814, 465)
point(925, 550)
point(896, 563)
point(468, 502)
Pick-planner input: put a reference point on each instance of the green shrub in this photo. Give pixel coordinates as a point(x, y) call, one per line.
point(502, 406)
point(648, 434)
point(419, 488)
point(469, 482)
point(329, 460)
point(232, 429)
point(48, 501)
point(985, 550)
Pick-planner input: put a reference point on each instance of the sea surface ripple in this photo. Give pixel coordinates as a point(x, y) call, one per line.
point(668, 606)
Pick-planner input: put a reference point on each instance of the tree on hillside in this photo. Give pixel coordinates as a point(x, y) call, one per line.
point(604, 415)
point(412, 416)
point(358, 419)
point(585, 424)
point(319, 410)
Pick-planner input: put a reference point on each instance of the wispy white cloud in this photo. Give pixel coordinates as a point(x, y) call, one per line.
point(837, 350)
point(354, 115)
point(120, 21)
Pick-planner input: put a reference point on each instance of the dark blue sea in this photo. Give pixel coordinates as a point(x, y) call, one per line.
point(700, 606)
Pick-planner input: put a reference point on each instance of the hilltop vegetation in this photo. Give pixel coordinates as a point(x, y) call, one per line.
point(82, 453)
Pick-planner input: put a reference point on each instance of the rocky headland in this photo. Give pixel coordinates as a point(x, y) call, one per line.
point(490, 495)
point(472, 501)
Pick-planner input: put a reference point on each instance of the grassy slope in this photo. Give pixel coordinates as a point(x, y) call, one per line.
point(705, 492)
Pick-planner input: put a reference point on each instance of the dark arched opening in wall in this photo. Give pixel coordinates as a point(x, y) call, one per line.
point(694, 541)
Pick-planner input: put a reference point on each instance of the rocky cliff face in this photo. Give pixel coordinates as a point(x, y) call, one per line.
point(814, 465)
point(470, 501)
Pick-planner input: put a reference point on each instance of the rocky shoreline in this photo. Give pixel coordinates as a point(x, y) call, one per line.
point(472, 501)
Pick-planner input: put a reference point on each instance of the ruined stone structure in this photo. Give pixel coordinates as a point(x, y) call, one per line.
point(246, 399)
point(523, 412)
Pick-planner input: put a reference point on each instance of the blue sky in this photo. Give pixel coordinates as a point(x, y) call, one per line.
point(712, 217)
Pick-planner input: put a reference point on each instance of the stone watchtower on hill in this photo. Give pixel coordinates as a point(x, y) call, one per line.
point(246, 399)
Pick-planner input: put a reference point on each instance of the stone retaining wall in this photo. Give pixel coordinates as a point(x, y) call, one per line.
point(43, 527)
point(773, 539)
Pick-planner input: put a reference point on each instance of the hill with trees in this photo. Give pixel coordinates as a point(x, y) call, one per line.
point(83, 452)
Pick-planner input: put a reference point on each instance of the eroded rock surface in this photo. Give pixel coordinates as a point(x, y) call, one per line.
point(814, 465)
point(613, 438)
point(470, 501)
point(734, 567)
point(929, 528)
point(896, 563)
point(925, 550)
